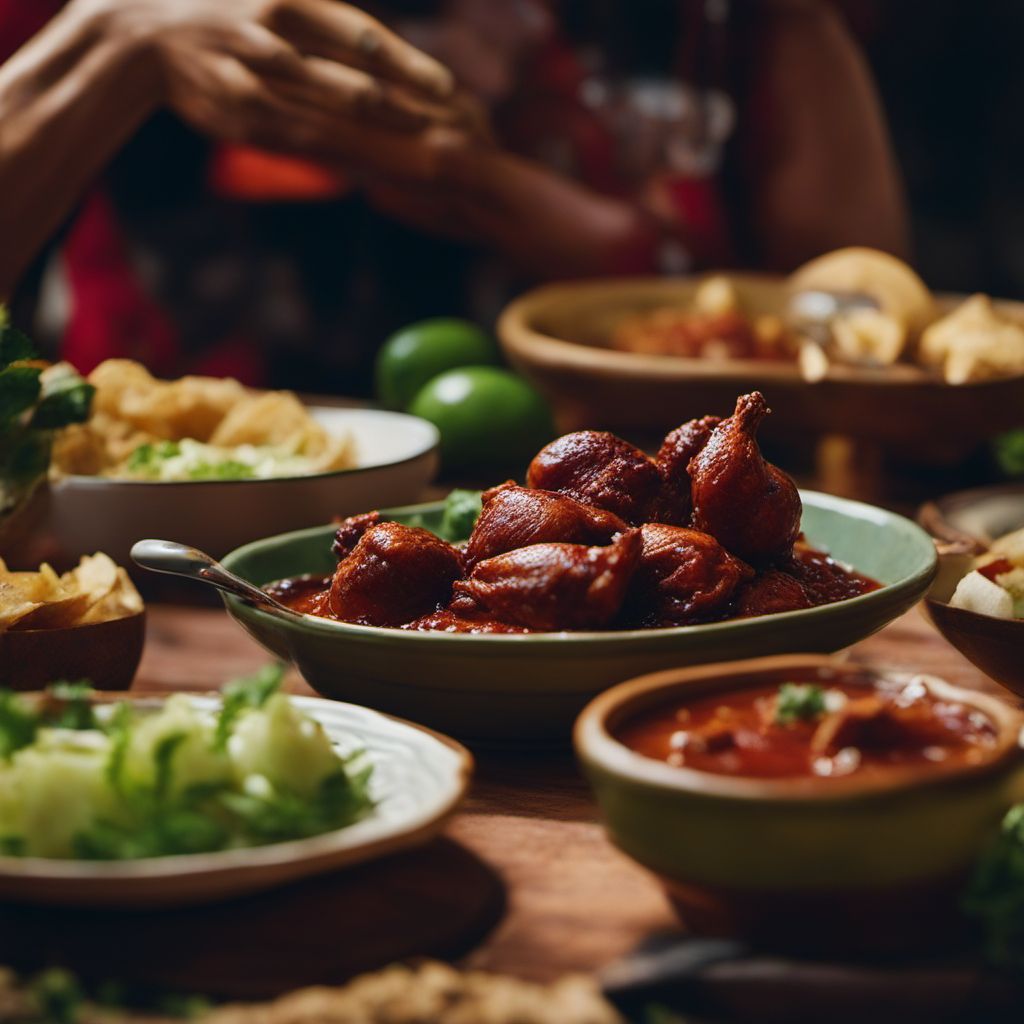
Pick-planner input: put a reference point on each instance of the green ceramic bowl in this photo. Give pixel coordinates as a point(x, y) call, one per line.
point(850, 864)
point(522, 688)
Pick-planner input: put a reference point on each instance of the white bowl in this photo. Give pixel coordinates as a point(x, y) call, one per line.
point(419, 778)
point(397, 458)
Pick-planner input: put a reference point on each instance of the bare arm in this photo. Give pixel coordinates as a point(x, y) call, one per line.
point(70, 99)
point(292, 75)
point(817, 158)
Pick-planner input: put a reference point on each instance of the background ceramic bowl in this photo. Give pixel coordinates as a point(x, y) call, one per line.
point(559, 335)
point(966, 522)
point(397, 458)
point(518, 689)
point(418, 780)
point(865, 865)
point(105, 653)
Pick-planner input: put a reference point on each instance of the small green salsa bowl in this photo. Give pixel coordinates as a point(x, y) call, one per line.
point(516, 689)
point(869, 865)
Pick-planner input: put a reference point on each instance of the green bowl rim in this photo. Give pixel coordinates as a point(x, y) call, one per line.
point(917, 581)
point(595, 746)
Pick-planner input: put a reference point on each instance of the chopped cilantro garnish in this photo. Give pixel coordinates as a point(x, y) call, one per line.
point(229, 469)
point(799, 702)
point(249, 692)
point(18, 724)
point(178, 786)
point(146, 458)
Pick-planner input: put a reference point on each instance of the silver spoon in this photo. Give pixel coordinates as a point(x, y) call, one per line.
point(812, 310)
point(181, 560)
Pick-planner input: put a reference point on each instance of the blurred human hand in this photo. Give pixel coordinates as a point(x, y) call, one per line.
point(281, 74)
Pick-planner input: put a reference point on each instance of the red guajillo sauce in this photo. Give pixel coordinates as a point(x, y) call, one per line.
point(867, 728)
point(822, 580)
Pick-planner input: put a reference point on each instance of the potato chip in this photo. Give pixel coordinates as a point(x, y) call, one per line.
point(270, 418)
point(122, 601)
point(96, 591)
point(132, 408)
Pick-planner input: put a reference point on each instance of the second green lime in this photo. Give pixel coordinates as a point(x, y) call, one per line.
point(488, 418)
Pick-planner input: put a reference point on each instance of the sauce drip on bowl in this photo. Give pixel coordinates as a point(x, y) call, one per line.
point(805, 729)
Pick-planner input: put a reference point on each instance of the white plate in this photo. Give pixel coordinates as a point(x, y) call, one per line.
point(397, 458)
point(419, 778)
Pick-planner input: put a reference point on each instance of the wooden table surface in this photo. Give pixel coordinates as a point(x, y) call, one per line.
point(572, 902)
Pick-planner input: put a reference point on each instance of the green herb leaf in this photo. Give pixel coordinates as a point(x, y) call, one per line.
point(70, 705)
point(14, 346)
point(798, 702)
point(67, 401)
point(12, 846)
point(18, 724)
point(147, 457)
point(339, 801)
point(229, 469)
point(57, 996)
point(995, 893)
point(163, 763)
point(19, 390)
point(1009, 452)
point(248, 692)
point(461, 511)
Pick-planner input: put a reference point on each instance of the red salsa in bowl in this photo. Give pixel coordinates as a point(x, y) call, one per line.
point(851, 726)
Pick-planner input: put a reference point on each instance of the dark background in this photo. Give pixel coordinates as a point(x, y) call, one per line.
point(951, 76)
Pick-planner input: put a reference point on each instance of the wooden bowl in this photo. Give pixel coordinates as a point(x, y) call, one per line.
point(965, 523)
point(105, 653)
point(856, 865)
point(559, 336)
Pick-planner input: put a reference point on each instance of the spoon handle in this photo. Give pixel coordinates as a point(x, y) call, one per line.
point(175, 559)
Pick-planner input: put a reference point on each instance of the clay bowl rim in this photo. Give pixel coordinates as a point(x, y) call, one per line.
point(56, 630)
point(516, 331)
point(931, 515)
point(594, 742)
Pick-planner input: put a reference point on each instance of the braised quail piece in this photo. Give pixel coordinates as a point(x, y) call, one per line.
point(514, 517)
point(683, 576)
point(393, 575)
point(749, 505)
point(673, 462)
point(772, 591)
point(551, 587)
point(350, 530)
point(599, 469)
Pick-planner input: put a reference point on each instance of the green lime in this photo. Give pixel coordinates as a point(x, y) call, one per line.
point(488, 418)
point(419, 352)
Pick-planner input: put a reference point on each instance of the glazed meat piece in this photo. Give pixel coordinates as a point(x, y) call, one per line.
point(350, 530)
point(748, 504)
point(393, 575)
point(551, 586)
point(514, 517)
point(683, 576)
point(673, 462)
point(599, 469)
point(772, 591)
